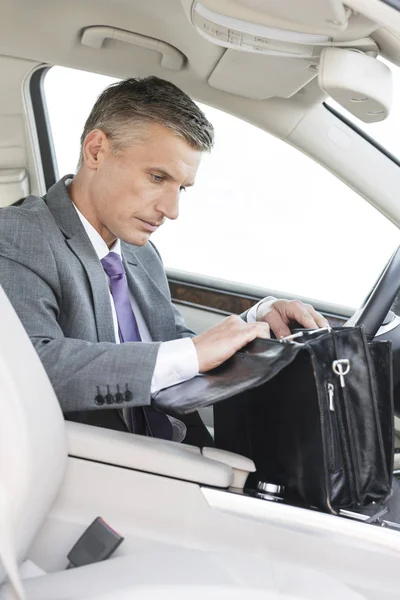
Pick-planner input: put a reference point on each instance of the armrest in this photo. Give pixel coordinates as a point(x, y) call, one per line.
point(241, 465)
point(160, 457)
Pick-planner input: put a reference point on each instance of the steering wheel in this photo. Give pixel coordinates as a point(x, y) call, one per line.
point(378, 304)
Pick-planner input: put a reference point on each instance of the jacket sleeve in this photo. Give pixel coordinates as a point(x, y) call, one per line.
point(81, 372)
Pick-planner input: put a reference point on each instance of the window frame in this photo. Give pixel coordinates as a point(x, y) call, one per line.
point(363, 134)
point(43, 126)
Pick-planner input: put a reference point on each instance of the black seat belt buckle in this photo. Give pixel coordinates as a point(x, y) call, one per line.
point(97, 543)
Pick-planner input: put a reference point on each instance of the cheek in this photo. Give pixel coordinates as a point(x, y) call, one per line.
point(121, 193)
point(137, 196)
point(105, 199)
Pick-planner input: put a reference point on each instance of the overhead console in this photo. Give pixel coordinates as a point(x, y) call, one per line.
point(295, 42)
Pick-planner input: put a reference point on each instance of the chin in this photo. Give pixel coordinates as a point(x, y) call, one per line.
point(136, 240)
point(140, 242)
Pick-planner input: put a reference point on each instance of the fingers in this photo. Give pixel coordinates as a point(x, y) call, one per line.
point(281, 313)
point(219, 343)
point(277, 324)
point(305, 315)
point(258, 330)
point(318, 318)
point(241, 333)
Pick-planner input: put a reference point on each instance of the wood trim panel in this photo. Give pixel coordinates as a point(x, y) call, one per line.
point(202, 297)
point(224, 302)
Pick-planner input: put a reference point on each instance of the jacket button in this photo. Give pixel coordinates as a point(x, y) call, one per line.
point(109, 398)
point(119, 398)
point(99, 400)
point(128, 396)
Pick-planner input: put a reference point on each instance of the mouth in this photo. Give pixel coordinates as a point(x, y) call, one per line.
point(150, 226)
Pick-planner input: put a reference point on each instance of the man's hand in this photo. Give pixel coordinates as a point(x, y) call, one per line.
point(280, 313)
point(219, 343)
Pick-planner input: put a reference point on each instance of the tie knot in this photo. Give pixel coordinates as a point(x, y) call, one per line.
point(112, 264)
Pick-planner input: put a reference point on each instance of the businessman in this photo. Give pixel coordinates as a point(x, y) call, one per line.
point(89, 285)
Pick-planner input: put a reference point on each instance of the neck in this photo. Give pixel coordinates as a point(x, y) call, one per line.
point(80, 196)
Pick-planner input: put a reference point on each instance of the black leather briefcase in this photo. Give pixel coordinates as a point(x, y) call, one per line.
point(314, 412)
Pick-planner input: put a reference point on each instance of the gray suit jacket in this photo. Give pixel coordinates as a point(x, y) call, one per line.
point(53, 277)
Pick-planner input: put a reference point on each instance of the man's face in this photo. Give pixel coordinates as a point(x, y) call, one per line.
point(132, 193)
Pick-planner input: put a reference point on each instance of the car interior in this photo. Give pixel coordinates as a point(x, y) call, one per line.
point(311, 76)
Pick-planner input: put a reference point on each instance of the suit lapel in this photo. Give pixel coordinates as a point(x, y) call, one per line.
point(77, 240)
point(155, 306)
point(84, 251)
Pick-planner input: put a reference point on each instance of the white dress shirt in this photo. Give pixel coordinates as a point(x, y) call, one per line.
point(177, 359)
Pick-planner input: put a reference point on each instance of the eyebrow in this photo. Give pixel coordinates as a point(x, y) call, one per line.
point(169, 176)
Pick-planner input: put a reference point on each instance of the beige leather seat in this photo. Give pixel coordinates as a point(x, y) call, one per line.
point(33, 458)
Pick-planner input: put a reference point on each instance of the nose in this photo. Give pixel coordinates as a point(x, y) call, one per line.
point(168, 204)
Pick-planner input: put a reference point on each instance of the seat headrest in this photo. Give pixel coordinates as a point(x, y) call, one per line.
point(14, 185)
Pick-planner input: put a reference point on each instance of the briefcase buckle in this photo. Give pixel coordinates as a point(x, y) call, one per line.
point(341, 367)
point(293, 336)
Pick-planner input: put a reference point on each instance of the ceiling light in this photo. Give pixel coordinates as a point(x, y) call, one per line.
point(232, 32)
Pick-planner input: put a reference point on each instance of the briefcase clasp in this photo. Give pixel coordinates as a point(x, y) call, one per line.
point(341, 367)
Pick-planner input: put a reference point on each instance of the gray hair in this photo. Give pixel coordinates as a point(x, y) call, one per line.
point(136, 102)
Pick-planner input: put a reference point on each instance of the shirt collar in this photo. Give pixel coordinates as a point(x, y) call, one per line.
point(98, 243)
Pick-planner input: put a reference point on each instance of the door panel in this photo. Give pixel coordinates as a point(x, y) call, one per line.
point(199, 318)
point(204, 304)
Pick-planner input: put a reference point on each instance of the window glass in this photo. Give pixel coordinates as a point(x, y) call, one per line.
point(70, 95)
point(261, 212)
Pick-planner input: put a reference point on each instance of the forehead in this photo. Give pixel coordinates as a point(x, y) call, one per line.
point(158, 144)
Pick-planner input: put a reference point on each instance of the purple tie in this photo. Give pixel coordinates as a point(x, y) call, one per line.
point(145, 420)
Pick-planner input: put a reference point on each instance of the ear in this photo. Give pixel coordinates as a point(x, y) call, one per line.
point(95, 147)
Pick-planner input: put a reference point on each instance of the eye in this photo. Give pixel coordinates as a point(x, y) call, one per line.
point(157, 178)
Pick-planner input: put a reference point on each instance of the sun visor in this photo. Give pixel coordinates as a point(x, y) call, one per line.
point(360, 83)
point(260, 77)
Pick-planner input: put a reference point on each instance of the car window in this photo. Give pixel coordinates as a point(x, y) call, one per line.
point(260, 213)
point(68, 114)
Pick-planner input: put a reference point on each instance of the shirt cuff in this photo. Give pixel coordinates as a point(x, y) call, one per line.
point(251, 316)
point(176, 362)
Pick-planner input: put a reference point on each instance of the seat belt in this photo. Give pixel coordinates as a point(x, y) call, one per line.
point(7, 550)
